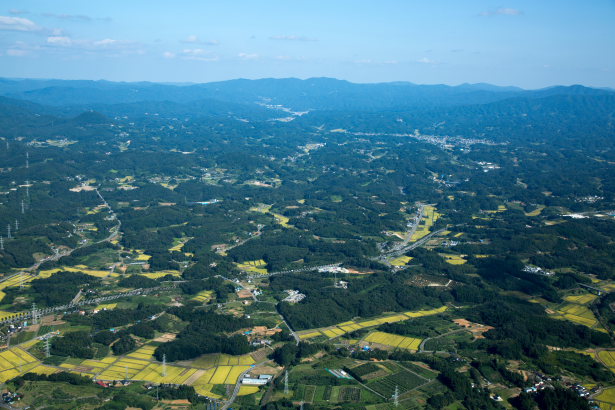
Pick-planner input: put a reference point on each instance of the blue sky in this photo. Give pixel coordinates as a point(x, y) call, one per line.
point(530, 44)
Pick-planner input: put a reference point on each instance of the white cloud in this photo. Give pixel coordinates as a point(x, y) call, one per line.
point(503, 11)
point(13, 52)
point(18, 11)
point(425, 60)
point(59, 40)
point(197, 54)
point(194, 39)
point(17, 24)
point(248, 56)
point(292, 38)
point(105, 42)
point(168, 54)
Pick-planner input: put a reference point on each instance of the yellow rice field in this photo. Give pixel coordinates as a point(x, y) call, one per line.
point(203, 296)
point(430, 216)
point(581, 299)
point(401, 261)
point(389, 339)
point(578, 314)
point(160, 274)
point(257, 266)
point(453, 259)
point(246, 390)
point(607, 399)
point(608, 358)
point(350, 326)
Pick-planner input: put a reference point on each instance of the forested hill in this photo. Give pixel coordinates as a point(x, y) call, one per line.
point(565, 119)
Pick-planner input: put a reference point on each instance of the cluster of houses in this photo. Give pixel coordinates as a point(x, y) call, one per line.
point(294, 296)
point(537, 270)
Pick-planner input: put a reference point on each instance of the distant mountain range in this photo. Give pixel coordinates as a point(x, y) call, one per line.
point(299, 95)
point(562, 113)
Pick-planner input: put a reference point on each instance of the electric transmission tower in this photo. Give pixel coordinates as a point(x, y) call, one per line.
point(1, 243)
point(8, 231)
point(286, 382)
point(16, 225)
point(23, 207)
point(34, 314)
point(47, 347)
point(164, 365)
point(396, 396)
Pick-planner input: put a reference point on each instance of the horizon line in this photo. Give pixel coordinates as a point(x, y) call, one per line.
point(190, 83)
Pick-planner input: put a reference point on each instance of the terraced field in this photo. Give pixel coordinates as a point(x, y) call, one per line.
point(203, 296)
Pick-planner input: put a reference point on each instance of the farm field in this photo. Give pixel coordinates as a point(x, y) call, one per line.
point(203, 296)
point(581, 299)
point(430, 216)
point(578, 314)
point(389, 339)
point(257, 266)
point(607, 399)
point(399, 377)
point(204, 373)
point(453, 259)
point(608, 358)
point(350, 326)
point(401, 260)
point(160, 274)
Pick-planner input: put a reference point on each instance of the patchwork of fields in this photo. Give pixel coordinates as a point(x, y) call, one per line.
point(203, 373)
point(350, 326)
point(430, 216)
